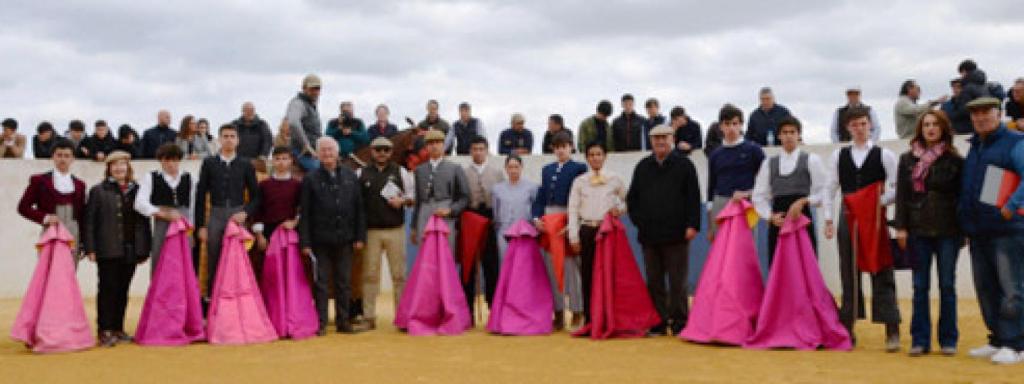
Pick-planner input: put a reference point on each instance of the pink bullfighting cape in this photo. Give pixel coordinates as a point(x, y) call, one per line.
point(729, 292)
point(286, 289)
point(52, 316)
point(798, 310)
point(172, 314)
point(522, 302)
point(237, 314)
point(433, 302)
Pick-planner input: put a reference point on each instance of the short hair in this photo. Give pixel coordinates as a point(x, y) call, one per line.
point(651, 102)
point(856, 113)
point(512, 158)
point(604, 107)
point(907, 86)
point(557, 119)
point(63, 143)
point(76, 125)
point(478, 140)
point(203, 121)
point(169, 151)
point(124, 130)
point(791, 121)
point(677, 111)
point(967, 65)
point(226, 127)
point(729, 112)
point(432, 102)
point(594, 144)
point(100, 123)
point(10, 123)
point(765, 91)
point(280, 150)
point(517, 117)
point(344, 103)
point(627, 97)
point(956, 81)
point(382, 106)
point(560, 139)
point(44, 127)
point(464, 105)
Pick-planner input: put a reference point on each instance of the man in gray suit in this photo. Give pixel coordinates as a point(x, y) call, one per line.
point(441, 189)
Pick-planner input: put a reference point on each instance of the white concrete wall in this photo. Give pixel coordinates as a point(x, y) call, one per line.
point(18, 235)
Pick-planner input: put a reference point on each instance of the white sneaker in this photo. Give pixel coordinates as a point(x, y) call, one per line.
point(983, 352)
point(1007, 356)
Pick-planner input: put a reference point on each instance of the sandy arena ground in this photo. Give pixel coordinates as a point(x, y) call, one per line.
point(387, 356)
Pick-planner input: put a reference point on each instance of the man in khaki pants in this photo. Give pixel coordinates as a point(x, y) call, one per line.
point(387, 190)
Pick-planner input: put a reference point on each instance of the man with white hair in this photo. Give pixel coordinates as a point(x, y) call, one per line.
point(332, 226)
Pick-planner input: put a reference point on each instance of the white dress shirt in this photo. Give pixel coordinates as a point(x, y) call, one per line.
point(63, 182)
point(762, 195)
point(144, 207)
point(859, 154)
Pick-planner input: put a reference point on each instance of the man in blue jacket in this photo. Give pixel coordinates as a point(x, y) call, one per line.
point(996, 234)
point(553, 197)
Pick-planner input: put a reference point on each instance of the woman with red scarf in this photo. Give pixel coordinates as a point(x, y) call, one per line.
point(927, 189)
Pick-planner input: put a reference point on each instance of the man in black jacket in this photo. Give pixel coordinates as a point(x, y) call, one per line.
point(227, 178)
point(628, 128)
point(254, 137)
point(332, 225)
point(100, 144)
point(664, 203)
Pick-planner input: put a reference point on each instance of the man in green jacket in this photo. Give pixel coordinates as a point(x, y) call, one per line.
point(596, 128)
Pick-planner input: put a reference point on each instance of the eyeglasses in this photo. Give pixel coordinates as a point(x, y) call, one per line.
point(382, 149)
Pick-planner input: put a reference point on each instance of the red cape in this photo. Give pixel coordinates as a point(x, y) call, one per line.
point(620, 306)
point(472, 239)
point(554, 242)
point(864, 213)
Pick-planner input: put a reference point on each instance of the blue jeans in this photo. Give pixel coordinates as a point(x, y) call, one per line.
point(308, 163)
point(999, 282)
point(945, 251)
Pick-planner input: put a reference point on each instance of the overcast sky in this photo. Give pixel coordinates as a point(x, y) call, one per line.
point(124, 60)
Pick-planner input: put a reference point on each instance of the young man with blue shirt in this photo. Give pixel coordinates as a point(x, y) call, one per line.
point(733, 167)
point(553, 197)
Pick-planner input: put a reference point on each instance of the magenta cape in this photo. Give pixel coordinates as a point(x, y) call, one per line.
point(798, 310)
point(172, 314)
point(286, 289)
point(237, 314)
point(620, 305)
point(433, 302)
point(522, 302)
point(729, 291)
point(52, 316)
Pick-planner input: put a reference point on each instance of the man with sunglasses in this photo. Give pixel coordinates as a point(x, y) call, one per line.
point(387, 190)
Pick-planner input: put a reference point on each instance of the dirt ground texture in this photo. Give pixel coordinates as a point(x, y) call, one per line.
point(388, 356)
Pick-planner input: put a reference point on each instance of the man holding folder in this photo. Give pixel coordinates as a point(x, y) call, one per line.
point(995, 230)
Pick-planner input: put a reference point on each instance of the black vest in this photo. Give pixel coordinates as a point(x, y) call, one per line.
point(852, 179)
point(380, 214)
point(163, 196)
point(841, 120)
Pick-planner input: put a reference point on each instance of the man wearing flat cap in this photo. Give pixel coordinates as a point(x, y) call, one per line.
point(387, 189)
point(664, 203)
point(441, 189)
point(995, 231)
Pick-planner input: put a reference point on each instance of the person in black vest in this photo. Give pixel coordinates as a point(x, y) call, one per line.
point(788, 184)
point(387, 190)
point(664, 202)
point(556, 127)
point(165, 195)
point(466, 129)
point(628, 128)
point(228, 180)
point(842, 116)
point(851, 168)
point(332, 225)
point(116, 238)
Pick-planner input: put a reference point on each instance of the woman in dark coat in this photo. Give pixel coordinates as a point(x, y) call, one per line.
point(927, 189)
point(117, 238)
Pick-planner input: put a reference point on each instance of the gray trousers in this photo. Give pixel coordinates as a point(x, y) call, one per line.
point(426, 211)
point(66, 214)
point(571, 276)
point(216, 223)
point(159, 236)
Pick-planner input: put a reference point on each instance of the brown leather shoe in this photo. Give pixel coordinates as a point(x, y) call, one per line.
point(577, 321)
point(559, 322)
